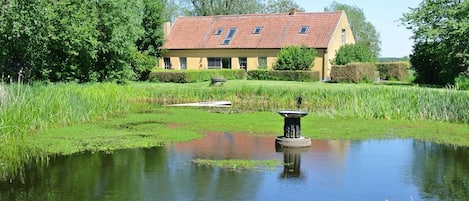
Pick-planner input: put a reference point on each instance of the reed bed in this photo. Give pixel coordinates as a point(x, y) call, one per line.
point(26, 109)
point(354, 101)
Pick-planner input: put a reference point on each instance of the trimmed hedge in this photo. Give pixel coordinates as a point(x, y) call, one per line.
point(393, 70)
point(353, 72)
point(190, 76)
point(303, 76)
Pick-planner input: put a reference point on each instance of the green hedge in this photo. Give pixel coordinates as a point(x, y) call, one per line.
point(304, 76)
point(353, 72)
point(393, 70)
point(190, 76)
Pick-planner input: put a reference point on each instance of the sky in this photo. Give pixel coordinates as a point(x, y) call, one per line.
point(384, 15)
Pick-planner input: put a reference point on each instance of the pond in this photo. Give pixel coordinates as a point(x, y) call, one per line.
point(394, 169)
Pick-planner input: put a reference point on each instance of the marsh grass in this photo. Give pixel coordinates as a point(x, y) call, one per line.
point(239, 164)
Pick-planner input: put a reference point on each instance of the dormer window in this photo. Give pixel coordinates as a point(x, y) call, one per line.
point(303, 29)
point(257, 30)
point(229, 36)
point(219, 31)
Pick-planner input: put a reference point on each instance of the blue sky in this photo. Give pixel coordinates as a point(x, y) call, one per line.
point(384, 15)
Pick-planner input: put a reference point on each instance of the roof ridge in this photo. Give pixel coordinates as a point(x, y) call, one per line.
point(262, 14)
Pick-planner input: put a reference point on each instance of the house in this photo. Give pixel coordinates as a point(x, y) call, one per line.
point(253, 41)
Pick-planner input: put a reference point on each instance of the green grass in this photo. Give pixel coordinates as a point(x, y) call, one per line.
point(237, 164)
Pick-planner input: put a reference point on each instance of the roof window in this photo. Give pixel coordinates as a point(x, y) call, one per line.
point(257, 30)
point(303, 29)
point(219, 31)
point(229, 36)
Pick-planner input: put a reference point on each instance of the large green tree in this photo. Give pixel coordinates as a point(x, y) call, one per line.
point(440, 29)
point(231, 7)
point(73, 40)
point(224, 7)
point(363, 31)
point(280, 6)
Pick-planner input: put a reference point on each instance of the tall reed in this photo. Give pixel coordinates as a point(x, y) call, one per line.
point(25, 109)
point(362, 101)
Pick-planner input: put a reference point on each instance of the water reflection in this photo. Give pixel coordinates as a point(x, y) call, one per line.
point(329, 170)
point(291, 160)
point(441, 171)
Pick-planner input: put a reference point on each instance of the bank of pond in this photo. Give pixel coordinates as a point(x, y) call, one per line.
point(37, 121)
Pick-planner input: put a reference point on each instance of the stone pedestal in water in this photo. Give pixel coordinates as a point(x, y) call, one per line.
point(292, 130)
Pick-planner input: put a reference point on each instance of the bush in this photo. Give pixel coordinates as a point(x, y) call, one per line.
point(303, 76)
point(295, 58)
point(462, 82)
point(393, 70)
point(353, 72)
point(142, 64)
point(190, 76)
point(353, 53)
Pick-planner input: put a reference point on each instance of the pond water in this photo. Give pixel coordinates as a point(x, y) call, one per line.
point(330, 170)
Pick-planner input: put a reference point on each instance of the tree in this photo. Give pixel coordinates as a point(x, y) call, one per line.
point(363, 31)
point(232, 7)
point(224, 7)
point(295, 58)
point(350, 53)
point(280, 6)
point(25, 32)
point(80, 41)
point(441, 50)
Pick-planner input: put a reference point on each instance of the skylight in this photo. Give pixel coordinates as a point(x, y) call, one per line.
point(229, 36)
point(257, 30)
point(219, 31)
point(303, 29)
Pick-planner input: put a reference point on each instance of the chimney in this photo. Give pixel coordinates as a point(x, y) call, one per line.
point(292, 11)
point(166, 29)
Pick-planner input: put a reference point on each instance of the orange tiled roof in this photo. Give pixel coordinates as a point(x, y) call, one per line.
point(278, 30)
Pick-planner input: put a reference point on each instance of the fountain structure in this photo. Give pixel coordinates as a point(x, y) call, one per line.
point(292, 129)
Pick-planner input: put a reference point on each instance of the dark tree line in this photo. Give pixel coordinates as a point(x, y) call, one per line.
point(78, 40)
point(441, 47)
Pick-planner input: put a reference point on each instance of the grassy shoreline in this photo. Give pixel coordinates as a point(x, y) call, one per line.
point(39, 120)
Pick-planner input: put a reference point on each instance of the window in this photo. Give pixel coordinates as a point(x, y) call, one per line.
point(231, 33)
point(218, 63)
point(342, 37)
point(167, 63)
point(257, 30)
point(226, 63)
point(229, 36)
point(262, 62)
point(243, 63)
point(214, 63)
point(183, 63)
point(303, 29)
point(219, 31)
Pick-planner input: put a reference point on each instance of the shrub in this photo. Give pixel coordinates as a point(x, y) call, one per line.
point(353, 72)
point(353, 53)
point(190, 76)
point(295, 58)
point(393, 70)
point(304, 76)
point(462, 82)
point(142, 64)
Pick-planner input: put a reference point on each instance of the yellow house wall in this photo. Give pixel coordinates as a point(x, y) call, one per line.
point(197, 58)
point(336, 41)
